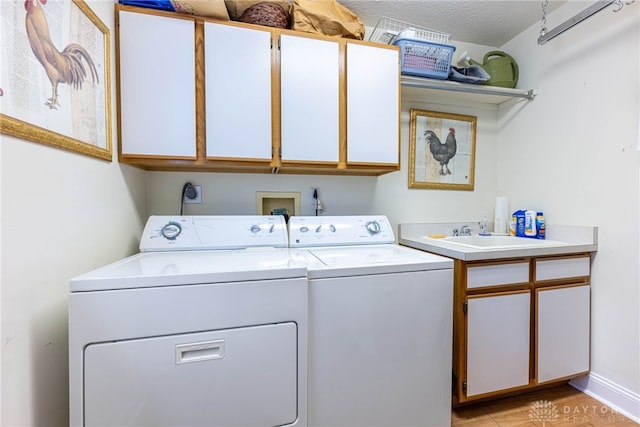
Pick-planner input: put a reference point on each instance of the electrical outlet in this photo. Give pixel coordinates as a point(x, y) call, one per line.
point(197, 199)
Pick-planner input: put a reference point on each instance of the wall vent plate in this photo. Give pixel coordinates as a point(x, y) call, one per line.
point(274, 202)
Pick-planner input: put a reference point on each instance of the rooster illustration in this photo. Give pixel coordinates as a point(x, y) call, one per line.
point(61, 67)
point(442, 152)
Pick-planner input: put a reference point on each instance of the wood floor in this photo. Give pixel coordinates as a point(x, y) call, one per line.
point(559, 406)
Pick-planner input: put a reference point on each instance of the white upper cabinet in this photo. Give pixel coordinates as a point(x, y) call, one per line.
point(310, 100)
point(373, 104)
point(157, 86)
point(237, 92)
point(200, 94)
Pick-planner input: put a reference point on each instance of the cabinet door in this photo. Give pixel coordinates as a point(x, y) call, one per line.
point(571, 268)
point(238, 92)
point(562, 332)
point(309, 76)
point(508, 273)
point(373, 104)
point(157, 86)
point(498, 342)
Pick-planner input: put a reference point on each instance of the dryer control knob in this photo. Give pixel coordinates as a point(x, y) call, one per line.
point(373, 227)
point(171, 230)
point(255, 228)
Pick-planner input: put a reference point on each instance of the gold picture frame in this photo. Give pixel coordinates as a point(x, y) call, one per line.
point(64, 103)
point(441, 150)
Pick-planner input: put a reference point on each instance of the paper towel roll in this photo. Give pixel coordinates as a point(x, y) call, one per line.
point(501, 219)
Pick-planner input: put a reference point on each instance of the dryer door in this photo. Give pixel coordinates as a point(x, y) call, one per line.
point(234, 377)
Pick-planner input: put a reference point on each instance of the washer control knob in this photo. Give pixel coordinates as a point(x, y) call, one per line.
point(171, 230)
point(332, 228)
point(255, 228)
point(373, 227)
point(318, 228)
point(304, 229)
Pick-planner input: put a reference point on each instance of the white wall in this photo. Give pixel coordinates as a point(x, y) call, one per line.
point(407, 205)
point(235, 194)
point(573, 154)
point(345, 195)
point(62, 214)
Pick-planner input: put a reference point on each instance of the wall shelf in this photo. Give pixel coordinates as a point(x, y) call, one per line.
point(480, 93)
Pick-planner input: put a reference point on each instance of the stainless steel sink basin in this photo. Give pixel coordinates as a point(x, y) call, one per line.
point(496, 242)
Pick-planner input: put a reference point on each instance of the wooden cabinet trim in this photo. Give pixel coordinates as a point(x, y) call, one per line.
point(276, 112)
point(342, 106)
point(562, 283)
point(201, 132)
point(492, 295)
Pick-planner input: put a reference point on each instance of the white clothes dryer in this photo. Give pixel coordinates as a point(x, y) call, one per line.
point(206, 326)
point(380, 325)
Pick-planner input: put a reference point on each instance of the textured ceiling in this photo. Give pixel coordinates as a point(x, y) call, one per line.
point(490, 23)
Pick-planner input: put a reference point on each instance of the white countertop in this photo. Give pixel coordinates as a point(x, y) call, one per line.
point(569, 239)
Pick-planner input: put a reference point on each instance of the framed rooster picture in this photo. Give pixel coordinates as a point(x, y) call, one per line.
point(441, 150)
point(54, 81)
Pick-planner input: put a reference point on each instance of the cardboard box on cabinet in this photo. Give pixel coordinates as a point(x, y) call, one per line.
point(211, 8)
point(329, 18)
point(235, 8)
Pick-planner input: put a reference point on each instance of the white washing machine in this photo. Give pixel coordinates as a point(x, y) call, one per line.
point(205, 327)
point(380, 325)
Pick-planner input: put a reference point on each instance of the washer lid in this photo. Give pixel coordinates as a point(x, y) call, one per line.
point(306, 231)
point(200, 232)
point(156, 269)
point(373, 259)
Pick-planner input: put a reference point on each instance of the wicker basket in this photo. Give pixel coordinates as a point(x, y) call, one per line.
point(269, 14)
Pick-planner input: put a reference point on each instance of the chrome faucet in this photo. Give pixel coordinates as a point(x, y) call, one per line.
point(483, 226)
point(462, 231)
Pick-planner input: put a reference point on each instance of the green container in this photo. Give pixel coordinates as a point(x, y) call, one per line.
point(502, 68)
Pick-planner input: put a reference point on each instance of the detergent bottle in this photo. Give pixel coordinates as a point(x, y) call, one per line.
point(530, 223)
point(540, 226)
point(516, 226)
